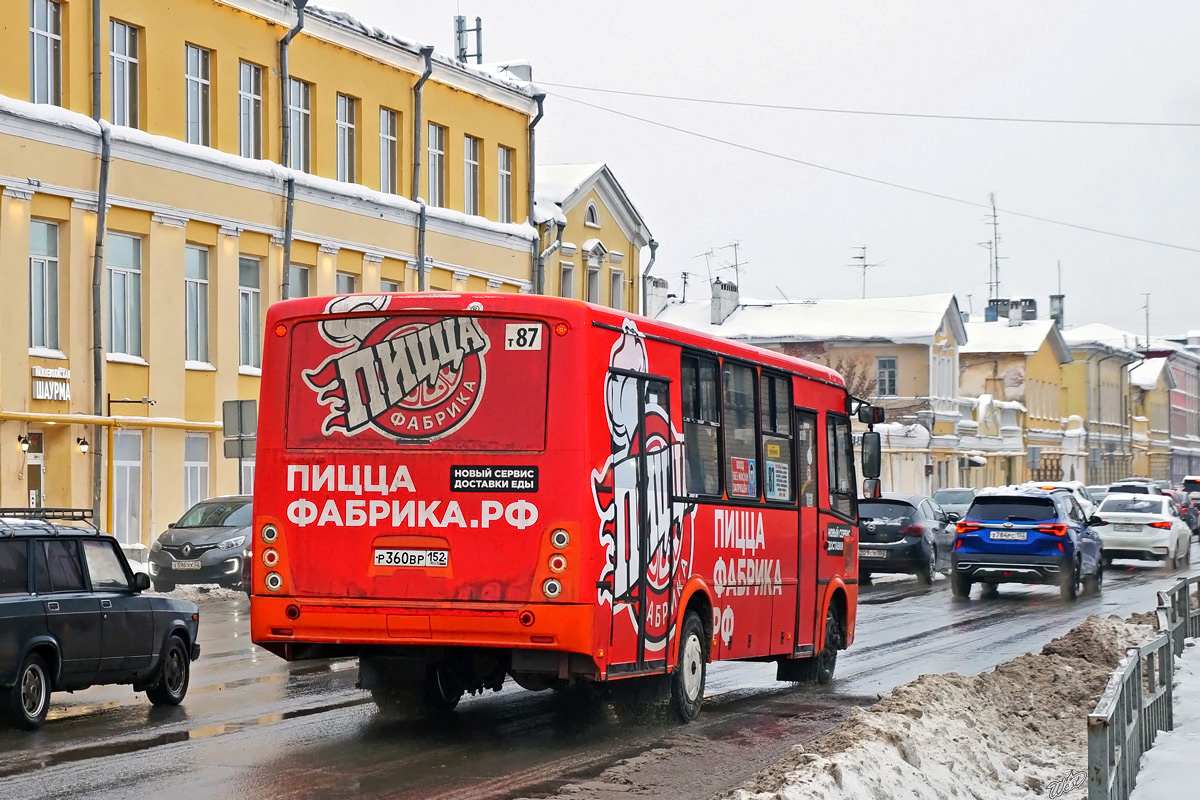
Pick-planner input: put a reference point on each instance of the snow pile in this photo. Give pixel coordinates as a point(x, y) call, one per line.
point(1010, 733)
point(1171, 769)
point(201, 593)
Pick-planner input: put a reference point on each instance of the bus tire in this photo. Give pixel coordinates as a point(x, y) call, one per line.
point(824, 663)
point(687, 682)
point(442, 692)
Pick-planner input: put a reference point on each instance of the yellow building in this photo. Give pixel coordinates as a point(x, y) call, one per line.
point(200, 234)
point(1096, 390)
point(598, 251)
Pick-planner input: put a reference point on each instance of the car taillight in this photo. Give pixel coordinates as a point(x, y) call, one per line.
point(912, 530)
point(1056, 529)
point(966, 527)
point(1164, 525)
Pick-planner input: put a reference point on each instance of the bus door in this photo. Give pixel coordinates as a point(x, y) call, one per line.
point(809, 535)
point(646, 547)
point(838, 552)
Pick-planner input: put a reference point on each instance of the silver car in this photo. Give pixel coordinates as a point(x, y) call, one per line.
point(206, 545)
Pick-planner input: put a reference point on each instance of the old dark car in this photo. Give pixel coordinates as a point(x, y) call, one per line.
point(204, 546)
point(902, 533)
point(72, 615)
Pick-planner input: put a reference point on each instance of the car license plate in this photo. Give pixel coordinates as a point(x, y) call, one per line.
point(1011, 536)
point(412, 558)
point(186, 565)
point(1127, 528)
point(872, 553)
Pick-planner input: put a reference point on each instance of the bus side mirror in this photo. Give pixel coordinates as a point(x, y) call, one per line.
point(872, 488)
point(870, 415)
point(871, 454)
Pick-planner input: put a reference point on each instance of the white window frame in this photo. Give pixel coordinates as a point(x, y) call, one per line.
point(197, 95)
point(195, 472)
point(250, 119)
point(346, 283)
point(248, 476)
point(566, 284)
point(250, 314)
point(389, 151)
point(300, 269)
point(616, 288)
point(195, 305)
point(131, 312)
point(591, 216)
point(43, 291)
point(504, 165)
point(472, 148)
point(347, 114)
point(46, 70)
point(437, 165)
point(893, 376)
point(124, 68)
point(300, 123)
point(127, 488)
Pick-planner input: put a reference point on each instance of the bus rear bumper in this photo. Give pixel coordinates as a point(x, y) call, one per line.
point(351, 624)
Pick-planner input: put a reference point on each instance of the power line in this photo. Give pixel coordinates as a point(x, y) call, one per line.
point(871, 113)
point(869, 179)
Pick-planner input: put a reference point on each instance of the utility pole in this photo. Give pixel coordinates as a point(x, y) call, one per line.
point(994, 248)
point(685, 280)
point(863, 266)
point(1146, 308)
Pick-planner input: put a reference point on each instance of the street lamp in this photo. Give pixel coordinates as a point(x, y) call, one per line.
point(83, 445)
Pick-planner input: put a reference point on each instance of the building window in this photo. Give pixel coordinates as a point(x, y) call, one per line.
point(127, 486)
point(738, 415)
point(701, 425)
point(504, 157)
point(124, 294)
point(300, 123)
point(123, 63)
point(616, 288)
point(593, 285)
point(195, 468)
point(885, 377)
point(567, 285)
point(249, 110)
point(249, 308)
point(247, 485)
point(346, 115)
point(198, 112)
point(437, 165)
point(389, 287)
point(471, 175)
point(591, 217)
point(45, 52)
point(389, 152)
point(43, 284)
point(297, 281)
point(195, 310)
point(346, 283)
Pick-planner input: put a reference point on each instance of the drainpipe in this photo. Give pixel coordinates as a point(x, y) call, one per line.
point(285, 153)
point(418, 124)
point(97, 21)
point(540, 269)
point(98, 317)
point(1100, 399)
point(539, 280)
point(646, 273)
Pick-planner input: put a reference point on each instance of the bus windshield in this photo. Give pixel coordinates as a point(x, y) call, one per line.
point(381, 381)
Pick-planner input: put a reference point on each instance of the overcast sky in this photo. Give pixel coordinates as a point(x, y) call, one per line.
point(798, 226)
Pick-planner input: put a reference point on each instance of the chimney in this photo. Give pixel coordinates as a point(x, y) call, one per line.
point(1028, 308)
point(1001, 306)
point(991, 314)
point(724, 300)
point(656, 296)
point(1014, 312)
point(1056, 310)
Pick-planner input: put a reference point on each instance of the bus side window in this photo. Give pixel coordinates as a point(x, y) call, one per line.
point(776, 395)
point(741, 445)
point(841, 465)
point(806, 447)
point(701, 425)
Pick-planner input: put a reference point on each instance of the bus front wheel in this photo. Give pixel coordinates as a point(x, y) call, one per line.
point(687, 682)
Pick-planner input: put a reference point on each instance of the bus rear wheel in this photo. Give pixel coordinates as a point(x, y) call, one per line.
point(437, 695)
point(687, 682)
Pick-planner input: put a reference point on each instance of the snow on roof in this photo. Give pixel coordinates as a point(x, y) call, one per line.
point(1102, 333)
point(1146, 375)
point(1026, 338)
point(554, 183)
point(64, 118)
point(913, 319)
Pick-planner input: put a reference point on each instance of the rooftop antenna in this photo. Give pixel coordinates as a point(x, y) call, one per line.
point(994, 248)
point(461, 32)
point(861, 264)
point(707, 255)
point(1060, 277)
point(685, 279)
point(781, 294)
point(736, 266)
point(1146, 308)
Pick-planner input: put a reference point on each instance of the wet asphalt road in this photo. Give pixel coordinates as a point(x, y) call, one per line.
point(253, 726)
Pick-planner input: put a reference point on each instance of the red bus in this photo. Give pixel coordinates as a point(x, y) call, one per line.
point(460, 488)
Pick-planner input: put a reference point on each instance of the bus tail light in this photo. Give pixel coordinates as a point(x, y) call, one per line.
point(561, 329)
point(270, 557)
point(274, 581)
point(560, 538)
point(551, 588)
point(281, 329)
point(558, 563)
point(526, 618)
point(269, 533)
point(292, 611)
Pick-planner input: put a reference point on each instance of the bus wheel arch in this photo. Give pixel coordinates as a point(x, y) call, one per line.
point(695, 599)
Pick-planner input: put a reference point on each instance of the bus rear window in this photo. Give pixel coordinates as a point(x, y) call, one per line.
point(453, 382)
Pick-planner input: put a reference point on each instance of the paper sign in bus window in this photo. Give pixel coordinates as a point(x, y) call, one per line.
point(777, 481)
point(745, 480)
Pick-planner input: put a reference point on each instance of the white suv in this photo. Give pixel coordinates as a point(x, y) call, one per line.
point(1076, 488)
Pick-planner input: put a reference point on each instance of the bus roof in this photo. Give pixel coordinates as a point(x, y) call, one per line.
point(542, 305)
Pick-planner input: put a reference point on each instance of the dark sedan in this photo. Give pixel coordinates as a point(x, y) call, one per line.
point(206, 545)
point(900, 533)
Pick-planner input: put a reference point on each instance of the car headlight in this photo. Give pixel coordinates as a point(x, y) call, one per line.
point(236, 541)
point(156, 547)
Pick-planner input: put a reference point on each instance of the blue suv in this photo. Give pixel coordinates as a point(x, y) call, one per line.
point(1027, 535)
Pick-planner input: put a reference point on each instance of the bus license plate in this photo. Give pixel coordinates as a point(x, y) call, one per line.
point(412, 558)
point(1013, 536)
point(186, 565)
point(872, 553)
point(1127, 528)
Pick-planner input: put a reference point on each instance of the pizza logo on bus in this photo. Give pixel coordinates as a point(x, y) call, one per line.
point(641, 584)
point(404, 377)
